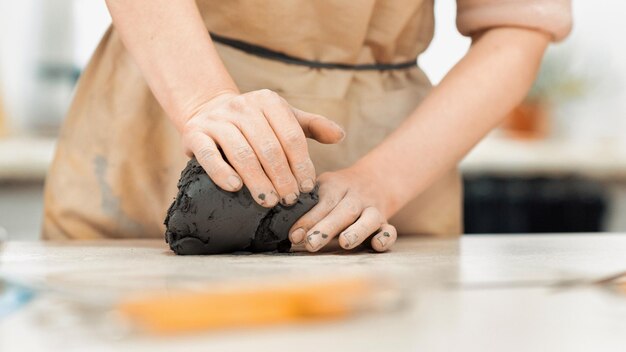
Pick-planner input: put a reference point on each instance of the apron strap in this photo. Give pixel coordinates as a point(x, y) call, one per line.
point(278, 56)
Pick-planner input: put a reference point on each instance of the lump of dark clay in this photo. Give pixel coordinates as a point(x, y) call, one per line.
point(204, 219)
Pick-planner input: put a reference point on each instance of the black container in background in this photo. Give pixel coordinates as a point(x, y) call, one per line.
point(533, 205)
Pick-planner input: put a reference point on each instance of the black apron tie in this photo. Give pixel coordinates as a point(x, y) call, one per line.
point(278, 56)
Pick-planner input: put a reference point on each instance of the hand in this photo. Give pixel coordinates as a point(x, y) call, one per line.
point(352, 207)
point(264, 140)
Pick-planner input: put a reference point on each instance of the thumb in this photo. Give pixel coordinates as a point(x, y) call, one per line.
point(319, 128)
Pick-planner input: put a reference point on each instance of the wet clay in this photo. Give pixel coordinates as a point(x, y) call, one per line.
point(204, 219)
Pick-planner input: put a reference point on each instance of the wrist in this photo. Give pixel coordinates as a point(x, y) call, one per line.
point(194, 105)
point(380, 185)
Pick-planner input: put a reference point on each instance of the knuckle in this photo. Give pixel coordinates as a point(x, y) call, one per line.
point(239, 105)
point(273, 99)
point(305, 167)
point(353, 209)
point(374, 215)
point(370, 211)
point(283, 180)
point(330, 201)
point(271, 151)
point(244, 153)
point(238, 124)
point(227, 128)
point(267, 93)
point(294, 139)
point(207, 154)
point(284, 104)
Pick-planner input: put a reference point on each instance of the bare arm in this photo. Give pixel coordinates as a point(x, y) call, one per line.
point(473, 98)
point(262, 136)
point(171, 45)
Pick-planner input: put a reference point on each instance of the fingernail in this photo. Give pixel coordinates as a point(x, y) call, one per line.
point(234, 181)
point(297, 236)
point(268, 198)
point(343, 133)
point(315, 240)
point(307, 185)
point(272, 199)
point(290, 199)
point(384, 238)
point(351, 239)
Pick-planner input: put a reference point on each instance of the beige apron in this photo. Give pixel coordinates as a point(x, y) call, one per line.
point(3, 126)
point(118, 157)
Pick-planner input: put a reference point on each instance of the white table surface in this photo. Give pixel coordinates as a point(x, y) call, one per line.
point(439, 317)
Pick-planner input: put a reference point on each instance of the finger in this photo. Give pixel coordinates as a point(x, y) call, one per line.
point(297, 236)
point(343, 215)
point(245, 162)
point(271, 155)
point(207, 154)
point(319, 128)
point(370, 221)
point(328, 199)
point(293, 141)
point(385, 238)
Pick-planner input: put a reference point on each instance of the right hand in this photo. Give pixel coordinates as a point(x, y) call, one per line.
point(264, 140)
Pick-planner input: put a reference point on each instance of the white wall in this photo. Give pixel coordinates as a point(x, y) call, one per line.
point(596, 48)
point(62, 33)
point(448, 45)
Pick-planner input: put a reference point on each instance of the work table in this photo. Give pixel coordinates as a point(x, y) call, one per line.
point(477, 293)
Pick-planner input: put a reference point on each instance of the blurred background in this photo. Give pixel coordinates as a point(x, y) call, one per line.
point(557, 164)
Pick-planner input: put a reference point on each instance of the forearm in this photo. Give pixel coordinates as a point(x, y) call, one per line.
point(173, 49)
point(472, 99)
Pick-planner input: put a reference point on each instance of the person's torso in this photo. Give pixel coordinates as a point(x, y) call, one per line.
point(342, 31)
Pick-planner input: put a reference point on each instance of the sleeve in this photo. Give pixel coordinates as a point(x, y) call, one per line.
point(551, 16)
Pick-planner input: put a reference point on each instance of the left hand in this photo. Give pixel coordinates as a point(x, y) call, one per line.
point(352, 207)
